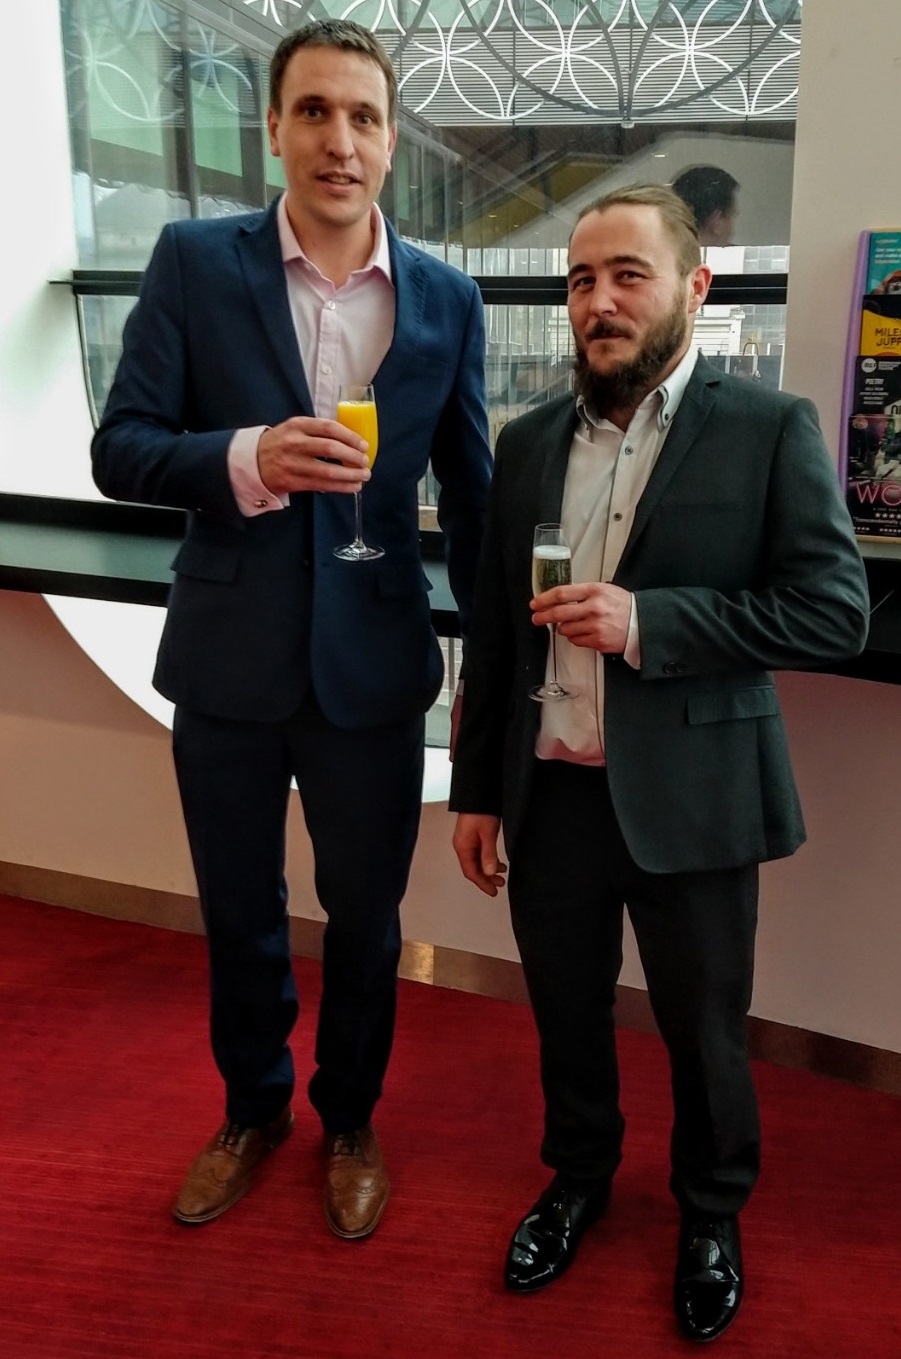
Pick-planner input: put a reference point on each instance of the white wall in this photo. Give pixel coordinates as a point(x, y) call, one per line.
point(86, 785)
point(830, 941)
point(846, 182)
point(43, 413)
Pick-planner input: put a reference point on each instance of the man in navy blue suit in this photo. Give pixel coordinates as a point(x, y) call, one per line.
point(283, 660)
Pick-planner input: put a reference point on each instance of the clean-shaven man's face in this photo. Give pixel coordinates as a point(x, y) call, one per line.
point(333, 136)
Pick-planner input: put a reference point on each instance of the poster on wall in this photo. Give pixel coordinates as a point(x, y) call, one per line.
point(871, 436)
point(877, 385)
point(884, 263)
point(874, 475)
point(880, 324)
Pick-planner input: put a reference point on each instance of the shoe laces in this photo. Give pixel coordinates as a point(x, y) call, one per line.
point(346, 1144)
point(232, 1133)
point(707, 1243)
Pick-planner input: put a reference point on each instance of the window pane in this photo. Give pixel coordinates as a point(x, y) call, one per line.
point(127, 116)
point(102, 320)
point(227, 119)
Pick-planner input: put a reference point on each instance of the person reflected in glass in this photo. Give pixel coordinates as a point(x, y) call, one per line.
point(712, 195)
point(710, 544)
point(281, 659)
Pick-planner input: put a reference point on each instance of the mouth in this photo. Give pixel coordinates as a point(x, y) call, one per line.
point(338, 180)
point(606, 333)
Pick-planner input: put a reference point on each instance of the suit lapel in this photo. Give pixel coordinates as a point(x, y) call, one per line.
point(694, 408)
point(408, 277)
point(259, 252)
point(555, 443)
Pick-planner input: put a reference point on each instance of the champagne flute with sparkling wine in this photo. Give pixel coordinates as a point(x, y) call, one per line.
point(551, 566)
point(356, 411)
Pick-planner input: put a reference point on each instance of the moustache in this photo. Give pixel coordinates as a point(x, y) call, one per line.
point(603, 330)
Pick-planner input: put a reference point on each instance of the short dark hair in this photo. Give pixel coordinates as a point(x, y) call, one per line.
point(677, 218)
point(342, 34)
point(706, 189)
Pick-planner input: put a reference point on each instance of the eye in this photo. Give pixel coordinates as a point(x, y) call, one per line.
point(581, 283)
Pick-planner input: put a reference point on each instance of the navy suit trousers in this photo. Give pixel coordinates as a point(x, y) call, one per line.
point(361, 796)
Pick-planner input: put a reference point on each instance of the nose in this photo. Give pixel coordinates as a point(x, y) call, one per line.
point(340, 142)
point(601, 302)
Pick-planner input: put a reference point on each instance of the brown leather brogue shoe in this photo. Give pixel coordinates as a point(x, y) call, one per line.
point(222, 1172)
point(356, 1183)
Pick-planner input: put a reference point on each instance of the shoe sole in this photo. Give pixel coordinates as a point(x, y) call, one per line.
point(198, 1221)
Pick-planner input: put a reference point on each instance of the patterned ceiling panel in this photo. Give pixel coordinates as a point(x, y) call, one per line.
point(465, 62)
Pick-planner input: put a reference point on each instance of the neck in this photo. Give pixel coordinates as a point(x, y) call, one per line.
point(621, 416)
point(336, 252)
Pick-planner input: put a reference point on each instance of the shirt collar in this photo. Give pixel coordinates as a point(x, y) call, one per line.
point(291, 250)
point(666, 397)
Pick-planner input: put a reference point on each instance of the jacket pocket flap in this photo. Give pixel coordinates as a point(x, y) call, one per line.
point(402, 578)
point(206, 561)
point(759, 701)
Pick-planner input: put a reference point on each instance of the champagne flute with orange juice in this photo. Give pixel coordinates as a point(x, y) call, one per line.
point(356, 411)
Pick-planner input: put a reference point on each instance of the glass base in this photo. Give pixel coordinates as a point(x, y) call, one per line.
point(551, 693)
point(358, 552)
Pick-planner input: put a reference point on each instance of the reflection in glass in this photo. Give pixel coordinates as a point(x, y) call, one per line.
point(168, 120)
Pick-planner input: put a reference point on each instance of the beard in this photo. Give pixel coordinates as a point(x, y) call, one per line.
point(628, 384)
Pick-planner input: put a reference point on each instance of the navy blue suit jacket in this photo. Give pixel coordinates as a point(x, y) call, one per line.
point(260, 607)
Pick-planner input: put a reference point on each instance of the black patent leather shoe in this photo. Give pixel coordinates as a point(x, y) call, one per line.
point(709, 1281)
point(544, 1244)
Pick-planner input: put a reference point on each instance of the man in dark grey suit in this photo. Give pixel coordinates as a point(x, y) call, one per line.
point(709, 546)
point(282, 659)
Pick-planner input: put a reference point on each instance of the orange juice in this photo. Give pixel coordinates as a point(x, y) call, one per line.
point(361, 417)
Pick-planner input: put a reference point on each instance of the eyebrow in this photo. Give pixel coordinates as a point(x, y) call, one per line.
point(612, 259)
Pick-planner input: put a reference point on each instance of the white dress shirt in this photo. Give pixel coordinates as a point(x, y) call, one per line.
point(605, 477)
point(342, 333)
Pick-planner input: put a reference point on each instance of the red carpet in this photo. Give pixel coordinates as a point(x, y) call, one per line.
point(107, 1090)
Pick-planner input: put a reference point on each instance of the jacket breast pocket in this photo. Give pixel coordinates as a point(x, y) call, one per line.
point(759, 700)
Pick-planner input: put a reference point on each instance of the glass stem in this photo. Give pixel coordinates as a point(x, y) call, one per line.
point(553, 627)
point(358, 511)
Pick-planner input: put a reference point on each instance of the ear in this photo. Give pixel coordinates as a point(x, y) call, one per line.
point(698, 287)
point(272, 125)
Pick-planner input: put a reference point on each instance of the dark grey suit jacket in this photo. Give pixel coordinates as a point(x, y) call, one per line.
point(742, 560)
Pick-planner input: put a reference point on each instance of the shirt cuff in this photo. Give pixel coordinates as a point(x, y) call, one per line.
point(632, 653)
point(252, 496)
